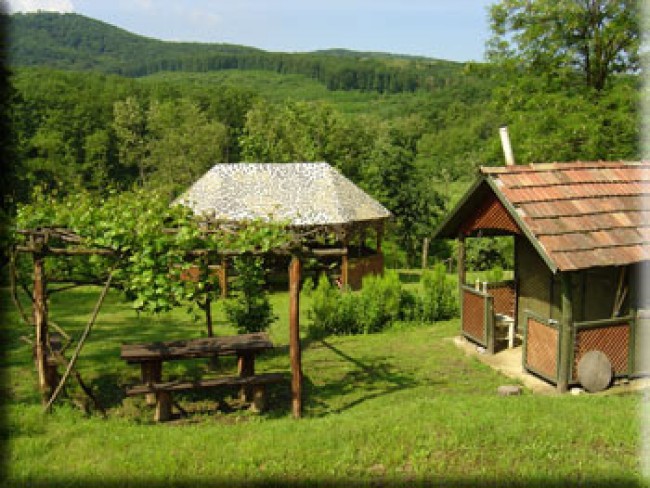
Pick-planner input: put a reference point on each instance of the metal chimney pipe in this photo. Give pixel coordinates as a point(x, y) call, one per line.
point(507, 148)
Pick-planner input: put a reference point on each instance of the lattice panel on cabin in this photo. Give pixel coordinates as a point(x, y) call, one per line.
point(613, 341)
point(542, 348)
point(474, 316)
point(504, 298)
point(490, 215)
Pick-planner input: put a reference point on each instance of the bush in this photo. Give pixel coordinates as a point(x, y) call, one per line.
point(380, 303)
point(250, 309)
point(332, 312)
point(439, 298)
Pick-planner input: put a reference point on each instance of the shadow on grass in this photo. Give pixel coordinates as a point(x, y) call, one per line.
point(374, 378)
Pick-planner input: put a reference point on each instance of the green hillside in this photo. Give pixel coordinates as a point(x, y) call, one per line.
point(94, 107)
point(75, 42)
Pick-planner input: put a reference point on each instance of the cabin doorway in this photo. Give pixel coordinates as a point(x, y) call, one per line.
point(489, 293)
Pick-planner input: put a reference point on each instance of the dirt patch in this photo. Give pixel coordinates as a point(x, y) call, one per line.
point(508, 363)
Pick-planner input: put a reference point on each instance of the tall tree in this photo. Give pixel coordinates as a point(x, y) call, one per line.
point(304, 131)
point(183, 144)
point(596, 38)
point(130, 126)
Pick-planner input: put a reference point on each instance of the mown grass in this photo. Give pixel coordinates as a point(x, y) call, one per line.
point(401, 407)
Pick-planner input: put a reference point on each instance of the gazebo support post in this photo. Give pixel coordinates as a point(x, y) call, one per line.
point(380, 237)
point(345, 267)
point(566, 339)
point(39, 292)
point(294, 337)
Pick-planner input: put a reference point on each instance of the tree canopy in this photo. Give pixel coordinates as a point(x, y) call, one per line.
point(595, 38)
point(74, 130)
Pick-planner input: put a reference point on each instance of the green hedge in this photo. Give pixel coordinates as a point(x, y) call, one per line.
point(381, 302)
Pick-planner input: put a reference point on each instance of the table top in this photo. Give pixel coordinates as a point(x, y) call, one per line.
point(196, 348)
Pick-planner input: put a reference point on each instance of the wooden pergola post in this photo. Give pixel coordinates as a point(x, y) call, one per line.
point(294, 337)
point(223, 277)
point(40, 312)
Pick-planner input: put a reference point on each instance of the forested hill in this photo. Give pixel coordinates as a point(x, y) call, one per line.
point(75, 42)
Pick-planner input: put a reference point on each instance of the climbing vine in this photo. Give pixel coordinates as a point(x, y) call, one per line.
point(152, 242)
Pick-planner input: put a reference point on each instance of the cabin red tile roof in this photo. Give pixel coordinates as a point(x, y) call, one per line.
point(581, 214)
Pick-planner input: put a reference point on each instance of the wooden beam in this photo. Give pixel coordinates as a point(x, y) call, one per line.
point(566, 337)
point(55, 251)
point(327, 252)
point(294, 337)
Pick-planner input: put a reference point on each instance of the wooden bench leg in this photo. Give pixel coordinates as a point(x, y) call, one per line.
point(259, 399)
point(246, 368)
point(151, 372)
point(163, 406)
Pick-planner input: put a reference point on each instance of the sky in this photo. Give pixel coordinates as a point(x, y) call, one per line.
point(446, 29)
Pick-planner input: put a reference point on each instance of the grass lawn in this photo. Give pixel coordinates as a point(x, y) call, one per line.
point(401, 407)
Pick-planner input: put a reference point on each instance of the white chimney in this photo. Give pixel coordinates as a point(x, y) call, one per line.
point(507, 148)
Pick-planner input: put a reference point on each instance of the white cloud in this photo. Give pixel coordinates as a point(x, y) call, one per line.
point(35, 5)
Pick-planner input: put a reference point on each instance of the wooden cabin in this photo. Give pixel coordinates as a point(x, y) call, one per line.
point(581, 245)
point(312, 198)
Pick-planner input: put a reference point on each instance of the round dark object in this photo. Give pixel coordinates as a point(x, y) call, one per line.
point(595, 371)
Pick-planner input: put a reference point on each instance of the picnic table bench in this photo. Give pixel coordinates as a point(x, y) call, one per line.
point(151, 356)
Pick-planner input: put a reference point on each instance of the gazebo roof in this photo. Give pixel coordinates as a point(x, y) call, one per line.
point(302, 194)
point(577, 215)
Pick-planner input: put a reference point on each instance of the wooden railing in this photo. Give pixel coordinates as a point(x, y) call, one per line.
point(477, 317)
point(614, 337)
point(541, 349)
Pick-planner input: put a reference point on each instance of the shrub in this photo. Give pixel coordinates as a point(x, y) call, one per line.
point(332, 312)
point(379, 302)
point(250, 309)
point(439, 298)
point(495, 275)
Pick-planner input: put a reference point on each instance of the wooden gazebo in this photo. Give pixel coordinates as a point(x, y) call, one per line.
point(312, 198)
point(581, 247)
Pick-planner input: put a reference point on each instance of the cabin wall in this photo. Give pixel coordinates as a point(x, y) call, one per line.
point(533, 282)
point(594, 290)
point(598, 292)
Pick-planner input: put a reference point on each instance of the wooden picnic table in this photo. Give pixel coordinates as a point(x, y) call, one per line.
point(152, 355)
point(240, 345)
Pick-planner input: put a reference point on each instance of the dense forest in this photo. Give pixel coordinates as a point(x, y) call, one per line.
point(71, 41)
point(95, 107)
